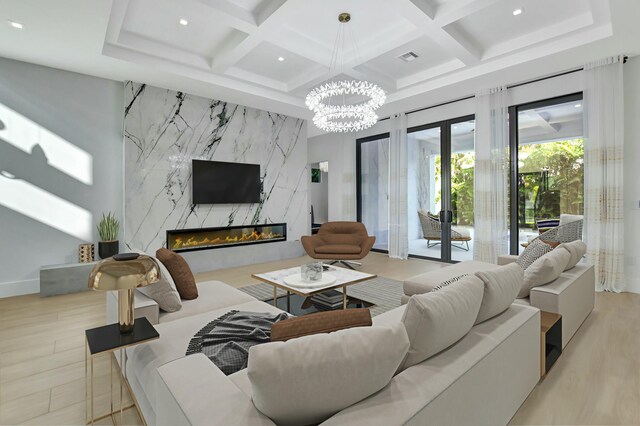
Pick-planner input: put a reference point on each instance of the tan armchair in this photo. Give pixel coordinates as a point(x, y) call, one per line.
point(341, 242)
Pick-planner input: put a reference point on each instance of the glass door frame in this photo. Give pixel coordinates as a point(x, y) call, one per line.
point(359, 143)
point(446, 214)
point(514, 227)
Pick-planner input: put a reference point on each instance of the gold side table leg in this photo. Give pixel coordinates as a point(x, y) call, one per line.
point(111, 356)
point(86, 383)
point(123, 364)
point(91, 389)
point(344, 297)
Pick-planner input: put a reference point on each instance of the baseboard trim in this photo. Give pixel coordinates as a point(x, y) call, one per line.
point(19, 288)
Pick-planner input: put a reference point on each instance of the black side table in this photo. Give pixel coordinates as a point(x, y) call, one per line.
point(550, 340)
point(108, 339)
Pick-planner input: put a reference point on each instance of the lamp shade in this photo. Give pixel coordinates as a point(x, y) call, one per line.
point(113, 274)
point(124, 272)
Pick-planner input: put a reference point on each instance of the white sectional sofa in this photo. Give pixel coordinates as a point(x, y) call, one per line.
point(481, 380)
point(571, 295)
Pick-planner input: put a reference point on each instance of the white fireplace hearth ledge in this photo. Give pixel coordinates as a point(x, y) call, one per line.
point(231, 257)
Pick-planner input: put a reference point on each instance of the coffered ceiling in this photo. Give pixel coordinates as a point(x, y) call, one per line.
point(242, 41)
point(269, 53)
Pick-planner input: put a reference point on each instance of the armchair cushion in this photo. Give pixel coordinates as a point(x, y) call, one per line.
point(338, 249)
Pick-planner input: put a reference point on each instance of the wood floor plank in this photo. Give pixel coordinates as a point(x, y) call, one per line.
point(26, 353)
point(30, 367)
point(27, 407)
point(48, 379)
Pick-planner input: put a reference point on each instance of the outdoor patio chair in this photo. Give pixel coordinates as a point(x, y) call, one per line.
point(432, 232)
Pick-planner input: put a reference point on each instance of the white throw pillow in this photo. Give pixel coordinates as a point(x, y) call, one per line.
point(576, 249)
point(501, 286)
point(544, 270)
point(436, 320)
point(308, 379)
point(164, 292)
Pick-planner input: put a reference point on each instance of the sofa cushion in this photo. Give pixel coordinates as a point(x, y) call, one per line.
point(213, 295)
point(426, 282)
point(164, 292)
point(501, 286)
point(144, 360)
point(180, 272)
point(576, 249)
point(329, 372)
point(544, 270)
point(534, 251)
point(436, 320)
point(320, 322)
point(448, 282)
point(338, 249)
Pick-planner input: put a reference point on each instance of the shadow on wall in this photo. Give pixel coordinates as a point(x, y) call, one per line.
point(35, 164)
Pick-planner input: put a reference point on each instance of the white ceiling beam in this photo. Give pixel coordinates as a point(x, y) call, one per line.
point(266, 9)
point(391, 40)
point(308, 79)
point(223, 60)
point(429, 73)
point(234, 16)
point(453, 42)
point(455, 10)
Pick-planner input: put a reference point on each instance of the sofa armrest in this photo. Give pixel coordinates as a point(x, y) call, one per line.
point(143, 306)
point(571, 295)
point(367, 245)
point(310, 243)
point(505, 259)
point(193, 391)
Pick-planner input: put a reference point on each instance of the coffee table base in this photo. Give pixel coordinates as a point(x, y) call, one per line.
point(299, 305)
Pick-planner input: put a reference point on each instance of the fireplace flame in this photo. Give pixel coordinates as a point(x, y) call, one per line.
point(192, 241)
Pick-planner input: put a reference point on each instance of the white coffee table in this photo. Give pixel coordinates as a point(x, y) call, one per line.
point(344, 278)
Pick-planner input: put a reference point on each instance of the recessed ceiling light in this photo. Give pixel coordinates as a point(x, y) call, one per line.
point(17, 25)
point(578, 105)
point(280, 58)
point(517, 12)
point(184, 22)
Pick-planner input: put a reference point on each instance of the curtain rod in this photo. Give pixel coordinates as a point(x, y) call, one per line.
point(511, 86)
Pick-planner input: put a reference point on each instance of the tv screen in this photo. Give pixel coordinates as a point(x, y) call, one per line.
point(217, 182)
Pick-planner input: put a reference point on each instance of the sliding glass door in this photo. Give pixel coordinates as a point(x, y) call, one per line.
point(440, 192)
point(373, 188)
point(547, 166)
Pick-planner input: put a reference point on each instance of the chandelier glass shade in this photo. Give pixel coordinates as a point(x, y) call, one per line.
point(345, 105)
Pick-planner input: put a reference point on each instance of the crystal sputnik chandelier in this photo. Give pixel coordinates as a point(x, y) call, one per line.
point(345, 105)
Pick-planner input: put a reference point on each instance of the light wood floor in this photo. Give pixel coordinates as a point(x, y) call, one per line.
point(595, 381)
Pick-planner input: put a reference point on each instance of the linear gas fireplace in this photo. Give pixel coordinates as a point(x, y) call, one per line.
point(208, 238)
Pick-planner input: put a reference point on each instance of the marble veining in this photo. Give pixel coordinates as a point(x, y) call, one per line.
point(165, 130)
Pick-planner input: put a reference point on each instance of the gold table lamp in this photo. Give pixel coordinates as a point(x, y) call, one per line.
point(124, 273)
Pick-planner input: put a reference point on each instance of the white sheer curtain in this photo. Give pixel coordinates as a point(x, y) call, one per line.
point(603, 166)
point(398, 240)
point(491, 172)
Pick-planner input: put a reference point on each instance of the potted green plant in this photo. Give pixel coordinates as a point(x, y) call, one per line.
point(108, 230)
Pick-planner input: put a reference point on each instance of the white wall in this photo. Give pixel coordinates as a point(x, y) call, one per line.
point(319, 196)
point(60, 164)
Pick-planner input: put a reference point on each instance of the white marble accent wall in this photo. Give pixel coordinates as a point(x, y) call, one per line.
point(165, 130)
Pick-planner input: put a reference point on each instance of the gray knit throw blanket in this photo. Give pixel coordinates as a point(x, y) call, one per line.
point(226, 340)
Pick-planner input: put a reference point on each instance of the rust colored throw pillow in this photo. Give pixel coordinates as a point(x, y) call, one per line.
point(320, 322)
point(180, 272)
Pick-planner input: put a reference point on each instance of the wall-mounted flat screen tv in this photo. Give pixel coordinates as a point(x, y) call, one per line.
point(218, 182)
